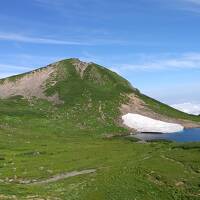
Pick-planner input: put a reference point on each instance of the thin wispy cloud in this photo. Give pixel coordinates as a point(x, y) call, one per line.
point(57, 3)
point(187, 5)
point(19, 63)
point(38, 40)
point(192, 6)
point(186, 61)
point(191, 108)
point(5, 75)
point(7, 70)
point(197, 2)
point(86, 9)
point(13, 67)
point(29, 60)
point(15, 37)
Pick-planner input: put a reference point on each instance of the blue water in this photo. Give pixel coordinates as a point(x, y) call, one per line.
point(188, 135)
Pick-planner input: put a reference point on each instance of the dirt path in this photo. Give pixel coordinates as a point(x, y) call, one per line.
point(62, 176)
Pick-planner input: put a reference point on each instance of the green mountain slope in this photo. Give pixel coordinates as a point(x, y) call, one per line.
point(53, 122)
point(90, 95)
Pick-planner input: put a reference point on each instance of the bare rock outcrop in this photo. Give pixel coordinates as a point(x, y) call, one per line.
point(30, 85)
point(80, 66)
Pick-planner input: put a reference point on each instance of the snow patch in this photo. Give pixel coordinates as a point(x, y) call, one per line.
point(145, 124)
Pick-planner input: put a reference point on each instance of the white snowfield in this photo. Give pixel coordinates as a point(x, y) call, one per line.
point(145, 124)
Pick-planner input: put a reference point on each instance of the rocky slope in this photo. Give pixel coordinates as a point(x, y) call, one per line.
point(100, 95)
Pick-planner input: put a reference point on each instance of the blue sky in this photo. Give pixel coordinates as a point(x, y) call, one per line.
point(152, 43)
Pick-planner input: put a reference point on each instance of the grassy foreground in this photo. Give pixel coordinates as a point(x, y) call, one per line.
point(39, 141)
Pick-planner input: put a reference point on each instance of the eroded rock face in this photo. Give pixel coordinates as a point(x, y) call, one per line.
point(34, 84)
point(30, 85)
point(145, 124)
point(80, 66)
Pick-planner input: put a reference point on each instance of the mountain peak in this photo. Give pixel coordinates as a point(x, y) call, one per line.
point(51, 81)
point(80, 66)
point(94, 88)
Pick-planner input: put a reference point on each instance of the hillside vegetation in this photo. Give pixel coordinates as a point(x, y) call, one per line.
point(43, 137)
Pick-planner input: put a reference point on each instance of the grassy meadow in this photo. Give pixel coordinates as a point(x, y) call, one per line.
point(39, 141)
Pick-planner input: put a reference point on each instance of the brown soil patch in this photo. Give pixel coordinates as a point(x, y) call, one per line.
point(30, 85)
